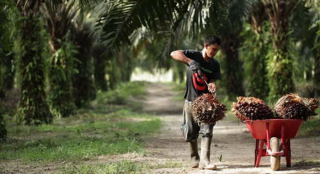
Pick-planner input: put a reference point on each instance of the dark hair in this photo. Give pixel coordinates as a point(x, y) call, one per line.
point(212, 40)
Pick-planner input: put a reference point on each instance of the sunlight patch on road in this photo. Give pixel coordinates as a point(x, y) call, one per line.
point(158, 75)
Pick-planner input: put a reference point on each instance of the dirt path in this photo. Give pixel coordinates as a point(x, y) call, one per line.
point(231, 141)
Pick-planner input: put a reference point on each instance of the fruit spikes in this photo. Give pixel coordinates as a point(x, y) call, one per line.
point(207, 109)
point(293, 106)
point(251, 108)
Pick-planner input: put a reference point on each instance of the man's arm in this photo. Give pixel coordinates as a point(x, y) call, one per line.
point(179, 56)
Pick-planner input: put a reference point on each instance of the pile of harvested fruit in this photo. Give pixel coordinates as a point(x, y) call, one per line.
point(289, 106)
point(293, 106)
point(251, 108)
point(207, 109)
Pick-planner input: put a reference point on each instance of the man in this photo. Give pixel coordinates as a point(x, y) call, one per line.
point(200, 64)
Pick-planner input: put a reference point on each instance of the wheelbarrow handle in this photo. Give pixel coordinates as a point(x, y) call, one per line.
point(275, 153)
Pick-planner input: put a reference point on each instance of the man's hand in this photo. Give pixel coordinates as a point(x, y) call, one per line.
point(212, 88)
point(194, 66)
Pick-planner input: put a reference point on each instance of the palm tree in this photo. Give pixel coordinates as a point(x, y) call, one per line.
point(280, 67)
point(230, 33)
point(6, 46)
point(304, 17)
point(58, 22)
point(33, 108)
point(255, 51)
point(316, 79)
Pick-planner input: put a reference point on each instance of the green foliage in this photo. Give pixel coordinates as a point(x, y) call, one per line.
point(280, 74)
point(255, 49)
point(122, 18)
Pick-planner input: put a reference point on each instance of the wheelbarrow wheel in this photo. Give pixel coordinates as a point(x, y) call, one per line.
point(274, 160)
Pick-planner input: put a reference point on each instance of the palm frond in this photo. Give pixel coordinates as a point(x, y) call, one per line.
point(58, 18)
point(123, 18)
point(238, 11)
point(301, 21)
point(83, 4)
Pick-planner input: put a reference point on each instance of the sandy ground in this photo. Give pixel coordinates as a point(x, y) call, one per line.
point(231, 140)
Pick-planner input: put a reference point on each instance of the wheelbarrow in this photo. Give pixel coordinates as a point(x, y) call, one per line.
point(268, 133)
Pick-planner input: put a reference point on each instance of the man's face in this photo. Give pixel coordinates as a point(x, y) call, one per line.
point(212, 50)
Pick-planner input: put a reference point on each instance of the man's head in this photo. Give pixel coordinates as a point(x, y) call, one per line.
point(212, 45)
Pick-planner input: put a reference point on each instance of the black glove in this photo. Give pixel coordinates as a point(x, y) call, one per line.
point(194, 66)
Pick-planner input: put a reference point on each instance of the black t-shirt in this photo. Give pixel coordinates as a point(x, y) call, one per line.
point(195, 86)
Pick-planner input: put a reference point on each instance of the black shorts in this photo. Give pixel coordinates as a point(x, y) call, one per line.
point(191, 129)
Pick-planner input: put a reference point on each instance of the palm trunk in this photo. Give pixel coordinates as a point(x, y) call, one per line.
point(316, 79)
point(100, 63)
point(6, 74)
point(6, 58)
point(61, 98)
point(233, 66)
point(33, 108)
point(280, 63)
point(9, 72)
point(3, 131)
point(259, 86)
point(178, 73)
point(84, 89)
point(125, 64)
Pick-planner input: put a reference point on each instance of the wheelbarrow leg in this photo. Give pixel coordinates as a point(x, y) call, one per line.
point(260, 153)
point(256, 151)
point(288, 153)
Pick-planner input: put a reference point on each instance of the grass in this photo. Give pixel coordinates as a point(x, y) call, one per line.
point(122, 167)
point(311, 127)
point(109, 127)
point(79, 141)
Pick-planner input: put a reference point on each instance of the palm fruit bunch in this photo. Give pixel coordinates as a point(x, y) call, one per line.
point(293, 106)
point(251, 108)
point(207, 109)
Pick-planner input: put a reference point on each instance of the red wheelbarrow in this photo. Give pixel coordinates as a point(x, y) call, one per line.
point(268, 133)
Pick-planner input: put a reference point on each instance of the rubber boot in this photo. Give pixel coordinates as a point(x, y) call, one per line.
point(193, 145)
point(205, 154)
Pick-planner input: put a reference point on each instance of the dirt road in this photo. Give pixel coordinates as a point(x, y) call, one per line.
point(231, 141)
